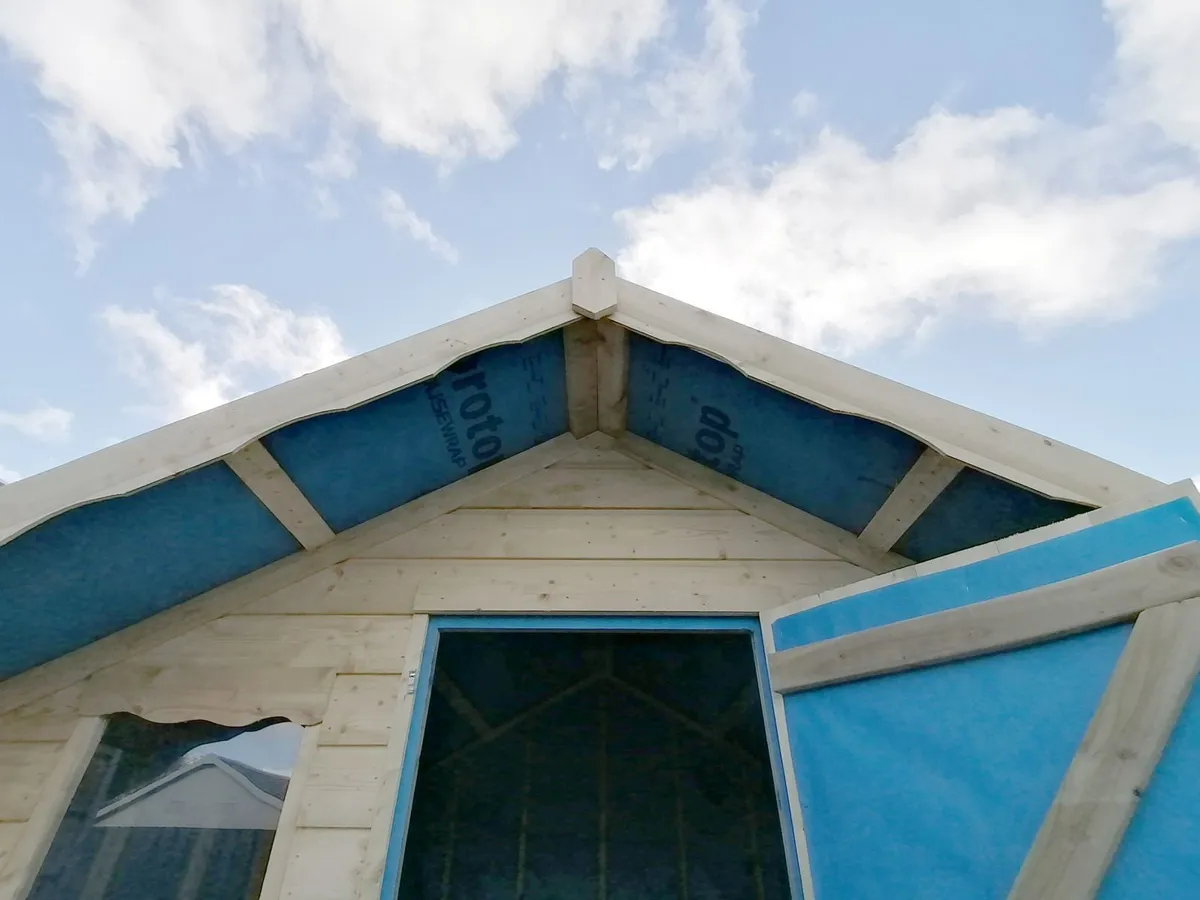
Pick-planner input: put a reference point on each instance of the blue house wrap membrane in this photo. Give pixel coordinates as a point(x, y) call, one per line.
point(99, 568)
point(358, 464)
point(933, 783)
point(1160, 856)
point(975, 509)
point(1058, 559)
point(838, 467)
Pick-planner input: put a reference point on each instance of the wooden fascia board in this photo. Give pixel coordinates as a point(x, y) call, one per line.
point(73, 667)
point(756, 503)
point(206, 437)
point(1114, 763)
point(929, 476)
point(1113, 594)
point(980, 441)
point(261, 473)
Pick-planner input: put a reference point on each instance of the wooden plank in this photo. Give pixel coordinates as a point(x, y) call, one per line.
point(1114, 763)
point(601, 534)
point(24, 860)
point(28, 763)
point(1065, 607)
point(593, 284)
point(763, 506)
point(929, 476)
point(592, 488)
point(579, 345)
point(360, 710)
point(348, 644)
point(343, 787)
point(370, 875)
point(10, 836)
point(325, 864)
point(982, 442)
point(372, 587)
point(260, 472)
point(192, 442)
point(72, 667)
point(623, 585)
point(599, 458)
point(37, 727)
point(280, 859)
point(612, 376)
point(234, 695)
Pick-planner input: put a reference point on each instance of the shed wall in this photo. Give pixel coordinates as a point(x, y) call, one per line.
point(596, 533)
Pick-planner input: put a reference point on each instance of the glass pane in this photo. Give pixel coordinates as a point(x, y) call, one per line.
point(172, 812)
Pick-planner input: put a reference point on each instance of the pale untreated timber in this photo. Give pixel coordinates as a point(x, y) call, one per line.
point(278, 864)
point(25, 858)
point(360, 710)
point(1114, 764)
point(370, 873)
point(1098, 598)
point(260, 472)
point(612, 374)
point(642, 488)
point(234, 695)
point(343, 787)
point(228, 598)
point(763, 506)
point(326, 864)
point(593, 284)
point(602, 534)
point(929, 476)
point(579, 345)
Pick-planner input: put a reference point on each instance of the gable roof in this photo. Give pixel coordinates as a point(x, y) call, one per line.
point(108, 540)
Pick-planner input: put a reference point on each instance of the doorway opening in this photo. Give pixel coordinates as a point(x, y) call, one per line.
point(578, 763)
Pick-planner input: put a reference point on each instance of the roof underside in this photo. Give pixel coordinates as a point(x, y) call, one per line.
point(92, 569)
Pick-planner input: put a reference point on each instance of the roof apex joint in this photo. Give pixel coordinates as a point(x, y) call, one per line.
point(594, 285)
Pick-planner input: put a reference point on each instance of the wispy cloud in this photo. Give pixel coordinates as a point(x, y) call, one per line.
point(1027, 219)
point(44, 423)
point(7, 475)
point(218, 349)
point(400, 217)
point(135, 86)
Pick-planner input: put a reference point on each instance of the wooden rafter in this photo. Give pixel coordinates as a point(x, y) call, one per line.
point(929, 476)
point(260, 472)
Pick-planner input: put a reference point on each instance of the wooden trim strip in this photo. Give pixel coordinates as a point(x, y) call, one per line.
point(763, 506)
point(579, 344)
point(929, 476)
point(1114, 764)
point(612, 376)
point(71, 668)
point(289, 816)
point(1077, 604)
point(593, 284)
point(260, 472)
point(26, 859)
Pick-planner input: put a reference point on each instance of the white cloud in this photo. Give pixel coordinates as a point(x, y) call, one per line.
point(697, 96)
point(1008, 212)
point(137, 87)
point(1158, 60)
point(400, 217)
point(45, 423)
point(7, 475)
point(221, 348)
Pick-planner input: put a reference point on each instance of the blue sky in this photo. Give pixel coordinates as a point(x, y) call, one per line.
point(997, 203)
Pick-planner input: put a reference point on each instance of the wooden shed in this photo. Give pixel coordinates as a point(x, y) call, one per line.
point(595, 594)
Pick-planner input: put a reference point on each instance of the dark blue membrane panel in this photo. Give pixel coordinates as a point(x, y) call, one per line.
point(357, 464)
point(99, 568)
point(1053, 560)
point(975, 509)
point(838, 467)
point(1159, 858)
point(933, 783)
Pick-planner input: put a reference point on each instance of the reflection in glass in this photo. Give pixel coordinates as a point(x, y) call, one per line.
point(172, 812)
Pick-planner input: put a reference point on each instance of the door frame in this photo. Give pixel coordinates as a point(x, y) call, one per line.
point(422, 685)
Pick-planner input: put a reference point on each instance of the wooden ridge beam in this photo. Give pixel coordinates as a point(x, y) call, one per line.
point(260, 472)
point(1109, 595)
point(1113, 766)
point(580, 341)
point(929, 476)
